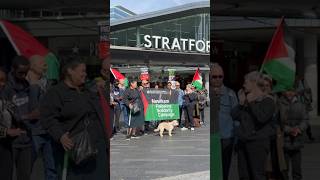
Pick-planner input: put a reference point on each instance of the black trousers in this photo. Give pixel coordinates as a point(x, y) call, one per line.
point(227, 149)
point(309, 132)
point(22, 158)
point(252, 157)
point(293, 157)
point(117, 111)
point(180, 113)
point(6, 162)
point(189, 115)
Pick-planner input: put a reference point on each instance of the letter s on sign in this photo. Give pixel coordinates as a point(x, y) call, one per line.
point(147, 39)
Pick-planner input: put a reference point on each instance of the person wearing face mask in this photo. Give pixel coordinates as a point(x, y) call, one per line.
point(255, 113)
point(294, 117)
point(69, 108)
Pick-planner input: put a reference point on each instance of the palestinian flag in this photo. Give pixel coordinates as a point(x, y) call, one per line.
point(279, 61)
point(197, 80)
point(117, 75)
point(26, 45)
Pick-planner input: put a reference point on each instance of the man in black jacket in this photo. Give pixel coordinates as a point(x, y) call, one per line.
point(7, 132)
point(255, 113)
point(18, 92)
point(190, 99)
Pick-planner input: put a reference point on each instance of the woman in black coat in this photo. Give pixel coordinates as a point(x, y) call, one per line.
point(132, 100)
point(255, 113)
point(67, 109)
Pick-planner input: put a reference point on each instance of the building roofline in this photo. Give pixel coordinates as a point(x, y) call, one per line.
point(155, 50)
point(125, 10)
point(161, 15)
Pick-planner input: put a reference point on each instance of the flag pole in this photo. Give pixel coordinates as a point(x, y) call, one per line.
point(65, 165)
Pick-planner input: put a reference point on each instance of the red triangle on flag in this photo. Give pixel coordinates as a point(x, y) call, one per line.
point(196, 75)
point(116, 74)
point(24, 43)
point(277, 47)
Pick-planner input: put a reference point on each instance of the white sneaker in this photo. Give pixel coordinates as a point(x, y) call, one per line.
point(184, 129)
point(135, 137)
point(192, 129)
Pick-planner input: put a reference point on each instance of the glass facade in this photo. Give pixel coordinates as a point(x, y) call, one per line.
point(190, 27)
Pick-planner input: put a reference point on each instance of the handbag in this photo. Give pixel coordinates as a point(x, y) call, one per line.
point(83, 149)
point(135, 108)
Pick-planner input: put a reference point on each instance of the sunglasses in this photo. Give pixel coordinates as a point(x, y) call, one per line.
point(217, 77)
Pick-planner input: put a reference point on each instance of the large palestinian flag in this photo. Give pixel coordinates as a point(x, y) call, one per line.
point(26, 45)
point(197, 80)
point(279, 61)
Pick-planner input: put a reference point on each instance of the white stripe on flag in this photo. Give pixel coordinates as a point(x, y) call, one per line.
point(4, 28)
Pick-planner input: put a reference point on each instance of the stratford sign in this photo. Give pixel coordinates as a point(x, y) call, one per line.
point(159, 42)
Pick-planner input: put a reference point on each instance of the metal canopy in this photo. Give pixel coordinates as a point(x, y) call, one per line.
point(267, 8)
point(139, 56)
point(55, 4)
point(161, 15)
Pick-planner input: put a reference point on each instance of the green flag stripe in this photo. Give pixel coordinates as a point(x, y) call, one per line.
point(281, 73)
point(197, 84)
point(215, 157)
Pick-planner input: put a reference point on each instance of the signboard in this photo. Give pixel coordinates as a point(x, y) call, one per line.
point(172, 78)
point(144, 74)
point(176, 44)
point(104, 40)
point(160, 104)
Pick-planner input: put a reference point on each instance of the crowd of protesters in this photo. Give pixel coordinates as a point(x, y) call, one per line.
point(263, 129)
point(124, 100)
point(55, 119)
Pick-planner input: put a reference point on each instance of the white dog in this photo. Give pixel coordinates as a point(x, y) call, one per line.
point(169, 126)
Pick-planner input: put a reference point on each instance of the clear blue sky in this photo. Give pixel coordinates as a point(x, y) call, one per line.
point(144, 6)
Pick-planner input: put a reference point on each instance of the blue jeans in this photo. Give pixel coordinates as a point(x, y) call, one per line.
point(124, 110)
point(44, 143)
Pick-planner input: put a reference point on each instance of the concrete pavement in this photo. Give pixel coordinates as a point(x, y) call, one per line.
point(185, 155)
